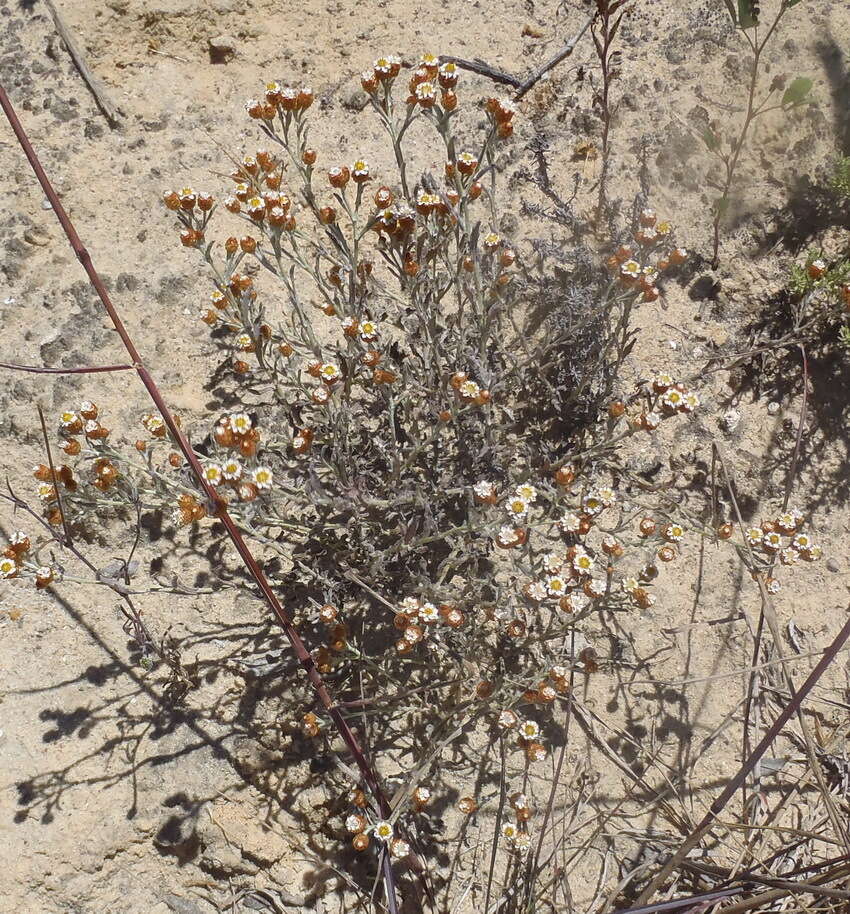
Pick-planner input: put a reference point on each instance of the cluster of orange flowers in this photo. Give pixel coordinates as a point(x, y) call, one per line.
point(278, 100)
point(14, 562)
point(237, 437)
point(75, 425)
point(635, 269)
point(431, 85)
point(783, 538)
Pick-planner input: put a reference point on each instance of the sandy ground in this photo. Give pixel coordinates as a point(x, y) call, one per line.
point(109, 799)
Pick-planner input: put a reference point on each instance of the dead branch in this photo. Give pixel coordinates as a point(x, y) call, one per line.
point(522, 86)
point(110, 110)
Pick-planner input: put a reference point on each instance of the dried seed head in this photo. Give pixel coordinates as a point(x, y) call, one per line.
point(647, 526)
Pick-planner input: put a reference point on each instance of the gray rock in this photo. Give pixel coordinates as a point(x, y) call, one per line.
point(356, 100)
point(94, 130)
point(36, 237)
point(832, 565)
point(51, 348)
point(675, 54)
point(64, 111)
point(181, 905)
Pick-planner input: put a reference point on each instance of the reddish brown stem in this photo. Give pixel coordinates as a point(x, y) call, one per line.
point(301, 652)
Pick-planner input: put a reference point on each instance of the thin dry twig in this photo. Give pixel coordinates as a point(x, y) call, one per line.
point(38, 369)
point(734, 784)
point(553, 62)
point(769, 615)
point(522, 86)
point(482, 69)
point(110, 110)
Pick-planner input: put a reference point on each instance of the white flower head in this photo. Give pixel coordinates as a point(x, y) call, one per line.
point(556, 586)
point(353, 823)
point(526, 491)
point(629, 585)
point(383, 830)
point(592, 503)
point(607, 495)
point(429, 613)
point(801, 542)
point(240, 423)
point(529, 729)
point(368, 331)
point(330, 373)
point(517, 507)
point(583, 563)
point(507, 720)
point(400, 848)
point(691, 401)
point(508, 535)
point(46, 492)
point(536, 591)
point(772, 541)
point(570, 523)
point(213, 474)
point(410, 605)
point(469, 390)
point(484, 488)
point(232, 470)
point(262, 477)
point(673, 399)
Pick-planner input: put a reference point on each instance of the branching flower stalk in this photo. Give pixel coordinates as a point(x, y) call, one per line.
point(746, 18)
point(604, 28)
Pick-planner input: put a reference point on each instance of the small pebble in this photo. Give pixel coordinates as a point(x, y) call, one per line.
point(45, 204)
point(36, 237)
point(773, 408)
point(832, 565)
point(731, 420)
point(356, 100)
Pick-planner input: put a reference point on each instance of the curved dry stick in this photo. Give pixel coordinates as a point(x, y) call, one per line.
point(220, 510)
